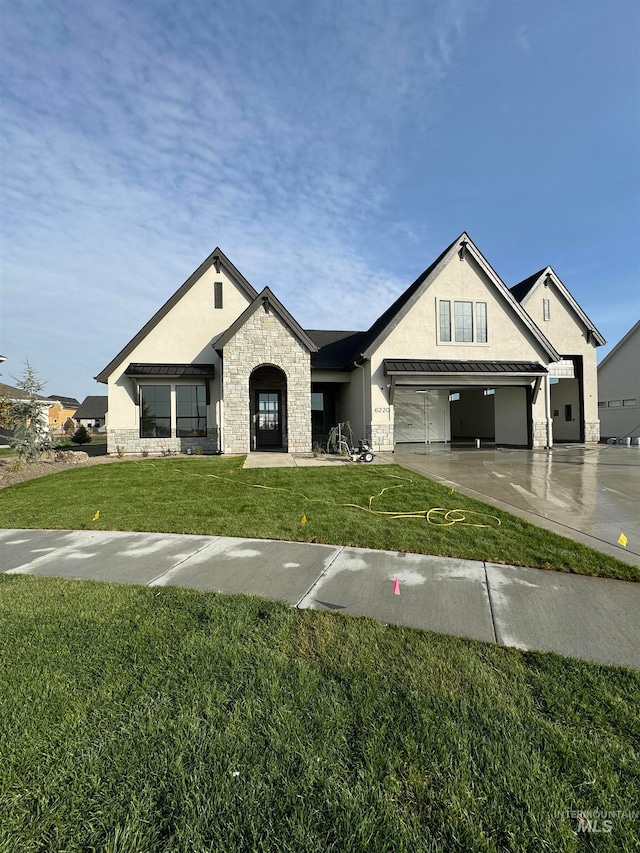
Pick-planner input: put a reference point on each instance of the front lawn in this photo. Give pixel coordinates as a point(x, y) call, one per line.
point(137, 719)
point(216, 496)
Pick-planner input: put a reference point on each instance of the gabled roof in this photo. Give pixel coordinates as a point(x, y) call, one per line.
point(392, 316)
point(395, 312)
point(216, 259)
point(620, 344)
point(523, 290)
point(336, 350)
point(92, 407)
point(271, 303)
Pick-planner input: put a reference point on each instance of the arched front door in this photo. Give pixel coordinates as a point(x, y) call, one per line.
point(268, 402)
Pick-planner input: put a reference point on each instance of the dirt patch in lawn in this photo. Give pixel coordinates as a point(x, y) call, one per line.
point(11, 472)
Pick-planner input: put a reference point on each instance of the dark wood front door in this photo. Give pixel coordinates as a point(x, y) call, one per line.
point(269, 425)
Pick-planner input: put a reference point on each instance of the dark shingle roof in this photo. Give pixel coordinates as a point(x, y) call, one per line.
point(11, 393)
point(92, 407)
point(520, 290)
point(65, 402)
point(336, 350)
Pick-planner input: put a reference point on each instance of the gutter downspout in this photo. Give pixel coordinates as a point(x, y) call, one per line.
point(221, 409)
point(364, 398)
point(547, 411)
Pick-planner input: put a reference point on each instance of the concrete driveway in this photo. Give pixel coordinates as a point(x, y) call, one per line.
point(588, 493)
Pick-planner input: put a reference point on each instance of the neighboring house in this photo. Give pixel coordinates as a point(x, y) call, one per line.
point(63, 408)
point(8, 392)
point(619, 388)
point(92, 412)
point(458, 356)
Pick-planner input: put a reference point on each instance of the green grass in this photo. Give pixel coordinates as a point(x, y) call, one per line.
point(217, 497)
point(96, 438)
point(133, 719)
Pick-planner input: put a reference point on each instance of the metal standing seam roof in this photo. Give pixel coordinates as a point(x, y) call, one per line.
point(170, 370)
point(442, 366)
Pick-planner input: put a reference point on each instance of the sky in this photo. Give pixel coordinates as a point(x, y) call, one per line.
point(332, 150)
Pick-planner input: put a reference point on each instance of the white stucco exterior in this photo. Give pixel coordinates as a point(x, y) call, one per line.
point(619, 388)
point(489, 380)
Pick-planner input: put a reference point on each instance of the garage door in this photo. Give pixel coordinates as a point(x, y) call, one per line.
point(421, 416)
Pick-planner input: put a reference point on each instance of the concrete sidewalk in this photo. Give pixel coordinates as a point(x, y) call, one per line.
point(591, 618)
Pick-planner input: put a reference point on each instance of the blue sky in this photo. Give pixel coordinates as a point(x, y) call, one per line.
point(331, 149)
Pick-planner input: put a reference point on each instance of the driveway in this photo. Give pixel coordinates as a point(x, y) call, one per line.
point(588, 493)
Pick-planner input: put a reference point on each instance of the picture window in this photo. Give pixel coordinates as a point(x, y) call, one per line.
point(155, 411)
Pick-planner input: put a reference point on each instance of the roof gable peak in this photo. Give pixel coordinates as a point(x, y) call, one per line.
point(267, 299)
point(462, 245)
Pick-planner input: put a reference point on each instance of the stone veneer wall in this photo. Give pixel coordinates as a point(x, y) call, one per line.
point(380, 436)
point(539, 434)
point(264, 340)
point(592, 431)
point(129, 441)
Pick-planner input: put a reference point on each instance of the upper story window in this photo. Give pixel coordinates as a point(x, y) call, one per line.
point(481, 323)
point(464, 329)
point(463, 322)
point(217, 294)
point(445, 320)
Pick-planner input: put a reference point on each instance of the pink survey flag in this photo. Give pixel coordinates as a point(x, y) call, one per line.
point(396, 587)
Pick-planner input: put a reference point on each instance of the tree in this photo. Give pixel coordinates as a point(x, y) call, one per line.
point(81, 436)
point(32, 436)
point(6, 413)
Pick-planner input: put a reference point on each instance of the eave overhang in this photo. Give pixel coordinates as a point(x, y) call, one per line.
point(137, 371)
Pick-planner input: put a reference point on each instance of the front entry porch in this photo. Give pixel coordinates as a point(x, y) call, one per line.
point(268, 409)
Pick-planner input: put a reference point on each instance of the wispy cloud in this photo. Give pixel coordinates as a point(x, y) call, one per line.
point(137, 136)
point(141, 135)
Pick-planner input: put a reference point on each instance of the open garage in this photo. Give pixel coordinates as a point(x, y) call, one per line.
point(440, 402)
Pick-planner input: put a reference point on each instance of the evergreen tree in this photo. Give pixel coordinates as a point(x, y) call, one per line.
point(81, 436)
point(32, 436)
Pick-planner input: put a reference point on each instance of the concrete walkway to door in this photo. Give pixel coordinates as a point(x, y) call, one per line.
point(265, 459)
point(588, 493)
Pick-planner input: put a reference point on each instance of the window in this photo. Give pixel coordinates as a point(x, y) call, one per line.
point(602, 404)
point(489, 392)
point(463, 317)
point(481, 322)
point(546, 309)
point(445, 320)
point(463, 322)
point(630, 402)
point(217, 294)
point(191, 411)
point(155, 411)
point(454, 396)
point(614, 404)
